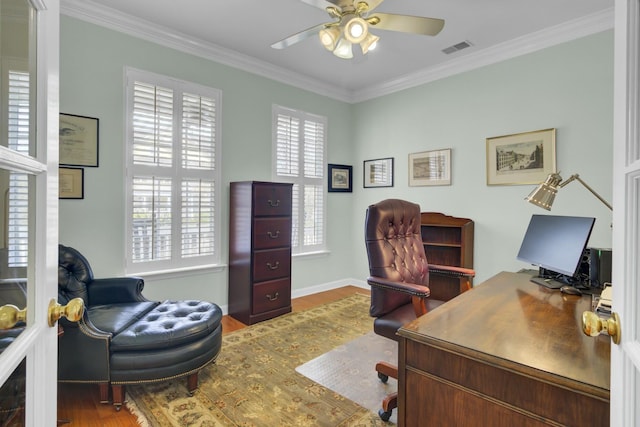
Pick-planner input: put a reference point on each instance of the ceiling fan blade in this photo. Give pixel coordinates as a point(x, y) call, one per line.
point(320, 4)
point(408, 24)
point(372, 3)
point(323, 4)
point(298, 37)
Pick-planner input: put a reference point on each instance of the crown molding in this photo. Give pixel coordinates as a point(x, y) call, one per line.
point(90, 11)
point(571, 30)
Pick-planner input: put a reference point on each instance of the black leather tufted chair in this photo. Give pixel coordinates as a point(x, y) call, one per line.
point(124, 338)
point(399, 276)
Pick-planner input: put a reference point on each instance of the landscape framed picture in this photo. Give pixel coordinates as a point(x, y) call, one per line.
point(430, 168)
point(521, 158)
point(340, 179)
point(378, 173)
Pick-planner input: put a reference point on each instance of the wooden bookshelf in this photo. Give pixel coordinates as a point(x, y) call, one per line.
point(447, 240)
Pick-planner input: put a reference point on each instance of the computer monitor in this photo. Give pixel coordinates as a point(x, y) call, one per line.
point(555, 244)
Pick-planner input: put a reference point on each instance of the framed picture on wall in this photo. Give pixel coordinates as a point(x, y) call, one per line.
point(71, 183)
point(78, 137)
point(340, 178)
point(430, 168)
point(521, 158)
point(378, 173)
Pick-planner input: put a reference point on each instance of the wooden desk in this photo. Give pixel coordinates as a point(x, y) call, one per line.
point(507, 353)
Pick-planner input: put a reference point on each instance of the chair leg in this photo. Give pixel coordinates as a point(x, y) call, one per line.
point(104, 392)
point(192, 383)
point(388, 405)
point(385, 369)
point(118, 395)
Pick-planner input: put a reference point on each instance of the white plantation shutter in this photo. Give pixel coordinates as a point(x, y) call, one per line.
point(152, 125)
point(299, 146)
point(174, 169)
point(18, 196)
point(151, 218)
point(198, 209)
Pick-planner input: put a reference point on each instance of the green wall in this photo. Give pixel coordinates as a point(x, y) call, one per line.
point(92, 69)
point(569, 87)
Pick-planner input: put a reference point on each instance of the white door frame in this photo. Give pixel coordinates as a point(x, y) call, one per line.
point(38, 343)
point(625, 358)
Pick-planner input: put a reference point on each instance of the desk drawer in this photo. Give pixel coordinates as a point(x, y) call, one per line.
point(271, 295)
point(271, 233)
point(272, 200)
point(271, 264)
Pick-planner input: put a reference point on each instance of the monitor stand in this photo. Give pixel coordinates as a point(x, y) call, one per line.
point(547, 282)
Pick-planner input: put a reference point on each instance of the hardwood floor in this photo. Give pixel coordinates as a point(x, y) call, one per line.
point(79, 404)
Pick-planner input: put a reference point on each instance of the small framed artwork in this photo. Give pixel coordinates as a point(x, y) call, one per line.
point(78, 137)
point(71, 183)
point(430, 168)
point(522, 158)
point(340, 180)
point(378, 173)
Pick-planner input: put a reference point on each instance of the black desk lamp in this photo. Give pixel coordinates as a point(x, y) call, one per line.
point(545, 193)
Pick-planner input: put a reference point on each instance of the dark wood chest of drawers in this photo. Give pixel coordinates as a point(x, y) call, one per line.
point(259, 250)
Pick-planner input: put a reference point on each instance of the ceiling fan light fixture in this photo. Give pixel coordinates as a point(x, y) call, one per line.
point(344, 49)
point(369, 43)
point(329, 37)
point(356, 30)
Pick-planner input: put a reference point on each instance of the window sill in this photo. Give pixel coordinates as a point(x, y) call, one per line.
point(316, 254)
point(180, 272)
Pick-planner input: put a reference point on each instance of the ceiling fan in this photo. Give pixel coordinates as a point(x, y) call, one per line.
point(353, 19)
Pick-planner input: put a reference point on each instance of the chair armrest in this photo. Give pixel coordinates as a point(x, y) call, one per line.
point(443, 290)
point(92, 363)
point(115, 290)
point(451, 271)
point(404, 287)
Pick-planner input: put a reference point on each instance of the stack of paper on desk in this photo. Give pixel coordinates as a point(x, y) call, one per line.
point(604, 305)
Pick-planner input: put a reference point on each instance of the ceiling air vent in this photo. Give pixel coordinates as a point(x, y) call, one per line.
point(456, 47)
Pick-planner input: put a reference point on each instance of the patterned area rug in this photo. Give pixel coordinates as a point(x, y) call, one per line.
point(254, 382)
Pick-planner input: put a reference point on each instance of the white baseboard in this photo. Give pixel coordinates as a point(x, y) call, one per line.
point(328, 286)
point(310, 290)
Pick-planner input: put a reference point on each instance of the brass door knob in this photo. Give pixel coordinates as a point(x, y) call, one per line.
point(10, 315)
point(73, 311)
point(592, 325)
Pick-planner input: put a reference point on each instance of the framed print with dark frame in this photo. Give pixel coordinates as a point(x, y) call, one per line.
point(430, 168)
point(78, 140)
point(340, 178)
point(521, 158)
point(378, 173)
point(71, 183)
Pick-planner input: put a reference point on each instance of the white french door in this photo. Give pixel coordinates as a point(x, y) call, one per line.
point(29, 215)
point(625, 357)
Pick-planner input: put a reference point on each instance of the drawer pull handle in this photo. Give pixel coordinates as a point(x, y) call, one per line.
point(274, 235)
point(274, 204)
point(272, 298)
point(273, 266)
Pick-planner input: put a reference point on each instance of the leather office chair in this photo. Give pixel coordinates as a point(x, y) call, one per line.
point(399, 276)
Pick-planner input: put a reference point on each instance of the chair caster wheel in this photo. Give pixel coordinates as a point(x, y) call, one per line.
point(384, 378)
point(384, 416)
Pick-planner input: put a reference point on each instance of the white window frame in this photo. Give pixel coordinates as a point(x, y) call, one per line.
point(176, 173)
point(298, 245)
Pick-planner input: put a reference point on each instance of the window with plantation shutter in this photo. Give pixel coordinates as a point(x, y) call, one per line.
point(299, 146)
point(18, 195)
point(173, 173)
